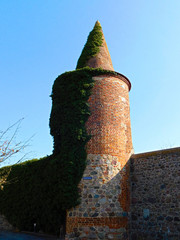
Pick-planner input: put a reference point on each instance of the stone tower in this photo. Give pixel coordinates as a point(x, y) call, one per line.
point(104, 209)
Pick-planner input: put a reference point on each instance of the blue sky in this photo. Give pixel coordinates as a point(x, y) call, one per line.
point(40, 39)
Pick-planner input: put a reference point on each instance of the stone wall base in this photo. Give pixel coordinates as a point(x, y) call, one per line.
point(4, 224)
point(97, 233)
point(154, 236)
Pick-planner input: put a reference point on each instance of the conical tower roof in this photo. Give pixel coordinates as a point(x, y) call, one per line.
point(95, 53)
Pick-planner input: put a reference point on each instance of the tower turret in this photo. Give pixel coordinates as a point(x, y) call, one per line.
point(95, 53)
point(104, 209)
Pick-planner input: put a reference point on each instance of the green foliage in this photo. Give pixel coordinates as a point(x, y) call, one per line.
point(70, 108)
point(30, 194)
point(70, 111)
point(42, 190)
point(92, 46)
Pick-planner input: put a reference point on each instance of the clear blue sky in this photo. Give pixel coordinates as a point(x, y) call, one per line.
point(40, 39)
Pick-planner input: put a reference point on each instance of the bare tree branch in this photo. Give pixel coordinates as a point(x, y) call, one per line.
point(8, 145)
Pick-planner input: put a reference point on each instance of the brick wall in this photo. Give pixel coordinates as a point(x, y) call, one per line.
point(155, 195)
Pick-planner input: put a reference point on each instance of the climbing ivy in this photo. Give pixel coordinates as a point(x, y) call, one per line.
point(70, 108)
point(31, 193)
point(70, 112)
point(92, 46)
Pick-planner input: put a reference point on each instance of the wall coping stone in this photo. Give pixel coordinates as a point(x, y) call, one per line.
point(155, 153)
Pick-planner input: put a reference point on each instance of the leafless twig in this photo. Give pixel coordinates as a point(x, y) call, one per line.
point(8, 145)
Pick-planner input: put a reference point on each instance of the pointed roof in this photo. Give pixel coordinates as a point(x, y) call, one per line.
point(95, 53)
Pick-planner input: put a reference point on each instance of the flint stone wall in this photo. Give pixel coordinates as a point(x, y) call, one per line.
point(100, 214)
point(155, 195)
